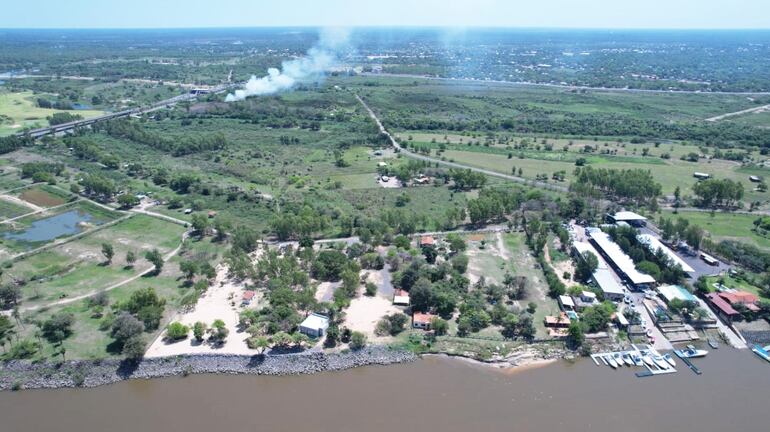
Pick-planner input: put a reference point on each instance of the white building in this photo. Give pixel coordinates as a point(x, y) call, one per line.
point(314, 325)
point(654, 245)
point(621, 262)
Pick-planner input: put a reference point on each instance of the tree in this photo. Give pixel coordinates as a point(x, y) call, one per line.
point(134, 348)
point(260, 343)
point(127, 200)
point(421, 295)
point(130, 258)
point(146, 306)
point(357, 340)
point(456, 243)
point(6, 330)
point(125, 326)
point(199, 330)
point(156, 259)
point(649, 268)
point(9, 295)
point(188, 268)
point(575, 336)
point(586, 266)
point(58, 327)
point(218, 332)
point(596, 318)
point(177, 331)
point(200, 223)
point(440, 326)
point(108, 251)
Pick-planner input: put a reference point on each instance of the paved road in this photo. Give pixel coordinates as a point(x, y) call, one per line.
point(561, 86)
point(418, 156)
point(737, 113)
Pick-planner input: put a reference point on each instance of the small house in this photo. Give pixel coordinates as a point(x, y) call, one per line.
point(401, 298)
point(422, 320)
point(566, 303)
point(247, 297)
point(561, 321)
point(427, 241)
point(314, 325)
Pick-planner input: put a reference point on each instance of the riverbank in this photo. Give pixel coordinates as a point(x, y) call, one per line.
point(16, 375)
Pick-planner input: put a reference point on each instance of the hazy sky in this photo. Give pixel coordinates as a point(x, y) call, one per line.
point(498, 13)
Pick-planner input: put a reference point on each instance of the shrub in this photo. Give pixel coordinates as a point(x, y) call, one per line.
point(357, 340)
point(177, 331)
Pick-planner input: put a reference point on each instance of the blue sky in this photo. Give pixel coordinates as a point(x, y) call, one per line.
point(464, 13)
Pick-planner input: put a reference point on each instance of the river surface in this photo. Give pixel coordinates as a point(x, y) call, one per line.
point(433, 394)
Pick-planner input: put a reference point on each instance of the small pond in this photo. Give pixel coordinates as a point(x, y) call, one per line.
point(66, 223)
point(79, 106)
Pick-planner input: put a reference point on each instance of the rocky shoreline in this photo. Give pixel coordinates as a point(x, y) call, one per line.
point(16, 375)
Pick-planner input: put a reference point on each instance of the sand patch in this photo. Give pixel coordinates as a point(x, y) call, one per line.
point(364, 312)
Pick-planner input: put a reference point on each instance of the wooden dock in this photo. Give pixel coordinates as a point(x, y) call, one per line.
point(690, 365)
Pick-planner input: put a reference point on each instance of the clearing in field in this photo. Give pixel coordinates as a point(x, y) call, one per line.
point(44, 196)
point(18, 110)
point(725, 226)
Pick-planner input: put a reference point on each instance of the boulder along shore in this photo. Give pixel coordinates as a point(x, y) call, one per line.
point(18, 374)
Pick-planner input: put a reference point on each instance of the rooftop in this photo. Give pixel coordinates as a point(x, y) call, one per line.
point(426, 241)
point(424, 318)
point(248, 295)
point(607, 282)
point(628, 216)
point(566, 300)
point(315, 321)
point(654, 245)
point(622, 261)
point(721, 304)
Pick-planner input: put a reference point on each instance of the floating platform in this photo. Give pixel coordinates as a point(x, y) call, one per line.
point(652, 367)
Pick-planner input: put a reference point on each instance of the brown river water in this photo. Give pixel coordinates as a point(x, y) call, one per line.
point(433, 394)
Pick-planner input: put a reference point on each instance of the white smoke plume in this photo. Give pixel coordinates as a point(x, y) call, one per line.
point(322, 56)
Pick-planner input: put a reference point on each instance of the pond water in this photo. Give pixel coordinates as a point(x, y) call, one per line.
point(79, 106)
point(66, 223)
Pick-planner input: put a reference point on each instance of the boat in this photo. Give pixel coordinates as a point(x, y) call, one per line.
point(763, 352)
point(669, 359)
point(713, 343)
point(661, 362)
point(619, 359)
point(612, 362)
point(637, 360)
point(627, 359)
point(691, 352)
point(648, 361)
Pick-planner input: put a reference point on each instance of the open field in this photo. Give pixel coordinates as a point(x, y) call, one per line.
point(45, 196)
point(18, 110)
point(78, 267)
point(725, 226)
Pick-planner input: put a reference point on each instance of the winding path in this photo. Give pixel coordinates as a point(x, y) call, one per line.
point(417, 156)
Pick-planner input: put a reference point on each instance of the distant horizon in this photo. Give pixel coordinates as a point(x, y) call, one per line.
point(509, 14)
point(410, 27)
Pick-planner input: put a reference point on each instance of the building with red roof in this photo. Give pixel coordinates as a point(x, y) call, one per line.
point(422, 320)
point(427, 241)
point(722, 307)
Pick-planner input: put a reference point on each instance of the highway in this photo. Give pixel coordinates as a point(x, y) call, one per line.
point(65, 127)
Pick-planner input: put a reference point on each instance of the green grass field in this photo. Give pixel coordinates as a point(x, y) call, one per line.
point(725, 226)
point(18, 111)
point(78, 267)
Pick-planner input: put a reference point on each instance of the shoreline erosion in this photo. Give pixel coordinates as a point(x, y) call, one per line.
point(19, 374)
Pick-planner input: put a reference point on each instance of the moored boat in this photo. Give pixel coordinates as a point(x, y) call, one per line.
point(661, 362)
point(713, 343)
point(627, 359)
point(648, 361)
point(691, 352)
point(669, 359)
point(612, 362)
point(763, 352)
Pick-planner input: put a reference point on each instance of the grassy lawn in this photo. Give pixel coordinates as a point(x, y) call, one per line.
point(78, 267)
point(735, 283)
point(725, 226)
point(18, 110)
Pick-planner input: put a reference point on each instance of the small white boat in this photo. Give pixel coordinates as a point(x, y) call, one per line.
point(669, 359)
point(648, 361)
point(637, 360)
point(691, 352)
point(661, 362)
point(627, 359)
point(763, 352)
point(612, 362)
point(619, 359)
point(713, 343)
